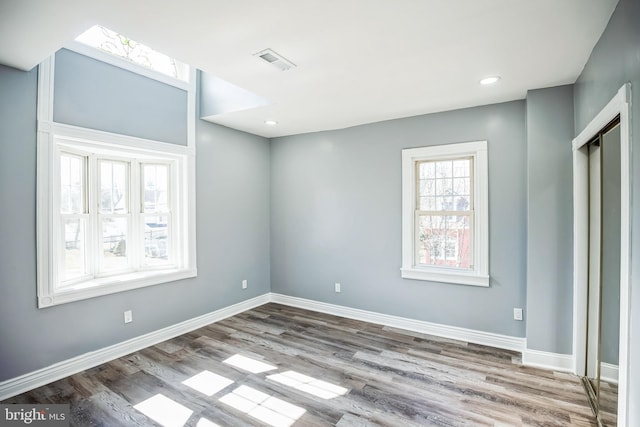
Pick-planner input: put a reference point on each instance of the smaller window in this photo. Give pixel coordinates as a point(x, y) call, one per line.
point(444, 211)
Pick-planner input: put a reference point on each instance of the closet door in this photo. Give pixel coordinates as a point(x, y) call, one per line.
point(603, 331)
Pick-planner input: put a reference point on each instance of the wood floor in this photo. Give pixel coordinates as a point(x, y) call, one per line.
point(282, 366)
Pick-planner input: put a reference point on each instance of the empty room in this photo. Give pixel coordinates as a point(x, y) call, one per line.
point(306, 213)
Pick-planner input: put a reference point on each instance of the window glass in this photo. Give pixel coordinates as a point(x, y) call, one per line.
point(444, 213)
point(71, 184)
point(156, 188)
point(74, 261)
point(114, 196)
point(120, 45)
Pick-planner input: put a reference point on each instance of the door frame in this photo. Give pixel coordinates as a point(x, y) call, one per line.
point(619, 105)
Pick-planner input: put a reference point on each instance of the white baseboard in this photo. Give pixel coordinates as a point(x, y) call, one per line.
point(547, 360)
point(86, 361)
point(452, 332)
point(609, 372)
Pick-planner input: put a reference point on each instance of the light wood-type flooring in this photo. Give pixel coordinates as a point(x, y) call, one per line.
point(281, 366)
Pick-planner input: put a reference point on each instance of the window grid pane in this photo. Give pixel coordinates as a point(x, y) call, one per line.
point(157, 247)
point(72, 184)
point(444, 240)
point(74, 243)
point(444, 211)
point(155, 181)
point(114, 191)
point(445, 185)
point(113, 252)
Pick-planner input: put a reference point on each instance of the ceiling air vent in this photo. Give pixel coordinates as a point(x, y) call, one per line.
point(275, 59)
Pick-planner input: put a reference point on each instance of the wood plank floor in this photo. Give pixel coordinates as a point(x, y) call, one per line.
point(322, 370)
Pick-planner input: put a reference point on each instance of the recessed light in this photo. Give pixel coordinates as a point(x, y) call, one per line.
point(270, 122)
point(489, 80)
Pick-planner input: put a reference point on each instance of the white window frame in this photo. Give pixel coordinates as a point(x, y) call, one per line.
point(479, 274)
point(50, 138)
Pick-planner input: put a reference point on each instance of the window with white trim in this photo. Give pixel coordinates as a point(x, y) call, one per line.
point(116, 217)
point(114, 212)
point(445, 213)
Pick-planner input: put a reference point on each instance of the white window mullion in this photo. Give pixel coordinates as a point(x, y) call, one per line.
point(174, 246)
point(93, 221)
point(137, 229)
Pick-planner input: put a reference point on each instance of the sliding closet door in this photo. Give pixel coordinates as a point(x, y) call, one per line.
point(610, 280)
point(603, 329)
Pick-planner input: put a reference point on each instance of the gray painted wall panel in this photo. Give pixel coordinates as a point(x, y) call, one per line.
point(232, 230)
point(614, 61)
point(96, 95)
point(550, 219)
point(336, 217)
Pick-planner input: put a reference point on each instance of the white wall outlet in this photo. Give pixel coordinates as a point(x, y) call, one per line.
point(337, 287)
point(128, 316)
point(245, 284)
point(517, 314)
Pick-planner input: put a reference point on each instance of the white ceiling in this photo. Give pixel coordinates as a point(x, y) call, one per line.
point(358, 61)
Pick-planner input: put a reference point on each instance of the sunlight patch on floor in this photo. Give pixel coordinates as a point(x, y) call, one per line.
point(203, 422)
point(207, 382)
point(164, 411)
point(268, 409)
point(248, 364)
point(314, 386)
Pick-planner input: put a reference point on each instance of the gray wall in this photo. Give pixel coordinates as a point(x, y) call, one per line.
point(614, 61)
point(336, 217)
point(550, 219)
point(232, 231)
point(96, 95)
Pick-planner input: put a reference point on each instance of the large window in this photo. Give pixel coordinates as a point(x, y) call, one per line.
point(115, 220)
point(445, 232)
point(115, 212)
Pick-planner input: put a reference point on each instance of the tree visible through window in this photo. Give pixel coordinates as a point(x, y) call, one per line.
point(444, 212)
point(445, 235)
point(120, 238)
point(124, 47)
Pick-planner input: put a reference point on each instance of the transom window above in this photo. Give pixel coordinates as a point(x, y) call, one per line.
point(444, 213)
point(122, 46)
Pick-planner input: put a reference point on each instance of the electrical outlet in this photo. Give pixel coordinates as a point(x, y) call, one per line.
point(337, 287)
point(128, 316)
point(517, 314)
point(245, 284)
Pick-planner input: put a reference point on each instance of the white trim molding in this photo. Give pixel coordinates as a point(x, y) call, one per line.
point(445, 331)
point(609, 372)
point(478, 273)
point(548, 360)
point(619, 105)
point(89, 360)
point(51, 136)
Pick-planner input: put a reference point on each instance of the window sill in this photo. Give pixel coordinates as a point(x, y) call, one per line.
point(105, 286)
point(445, 276)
